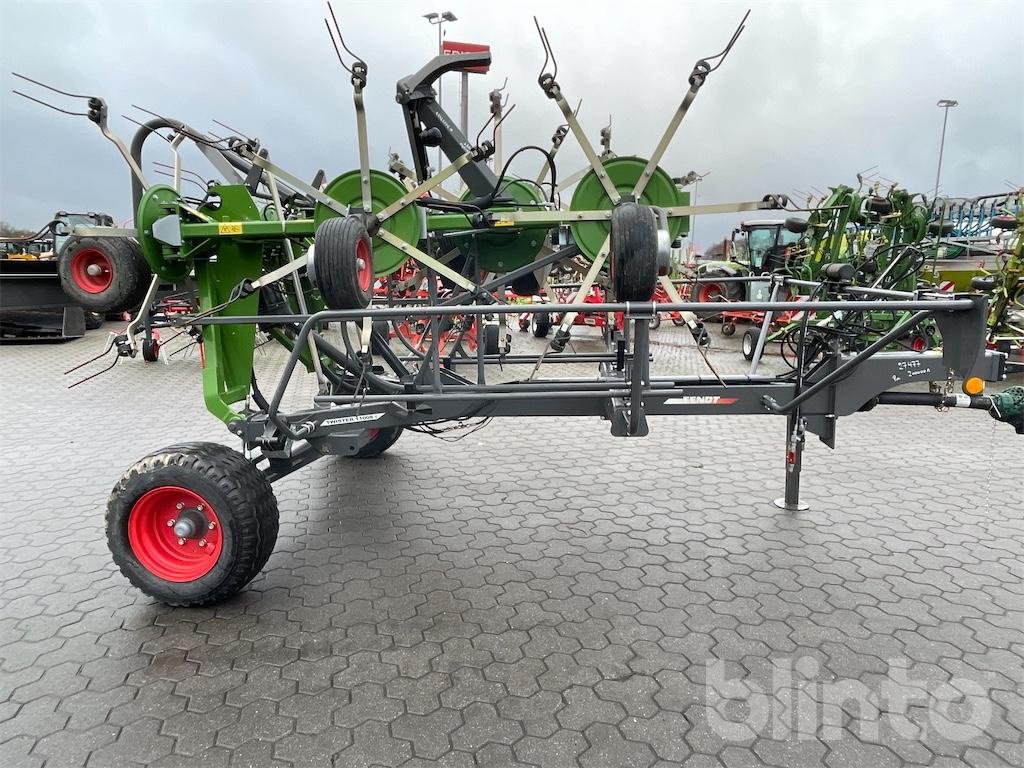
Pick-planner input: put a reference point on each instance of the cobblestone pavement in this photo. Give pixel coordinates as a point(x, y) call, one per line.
point(503, 600)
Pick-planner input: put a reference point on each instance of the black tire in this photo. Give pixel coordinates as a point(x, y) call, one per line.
point(238, 493)
point(940, 228)
point(655, 322)
point(491, 332)
point(344, 263)
point(879, 205)
point(709, 289)
point(728, 329)
point(540, 324)
point(525, 286)
point(796, 225)
point(151, 351)
point(93, 321)
point(634, 252)
point(748, 345)
point(379, 442)
point(121, 275)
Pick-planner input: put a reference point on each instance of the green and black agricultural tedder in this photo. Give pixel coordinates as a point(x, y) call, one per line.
point(194, 523)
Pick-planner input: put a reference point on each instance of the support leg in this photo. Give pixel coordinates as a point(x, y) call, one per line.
point(795, 438)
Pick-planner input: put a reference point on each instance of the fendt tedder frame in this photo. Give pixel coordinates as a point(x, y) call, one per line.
point(194, 523)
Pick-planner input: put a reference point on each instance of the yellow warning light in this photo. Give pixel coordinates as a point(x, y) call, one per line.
point(974, 386)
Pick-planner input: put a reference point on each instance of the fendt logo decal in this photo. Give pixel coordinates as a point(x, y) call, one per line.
point(701, 400)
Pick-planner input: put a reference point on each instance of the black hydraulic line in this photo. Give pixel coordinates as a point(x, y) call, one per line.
point(850, 364)
point(978, 402)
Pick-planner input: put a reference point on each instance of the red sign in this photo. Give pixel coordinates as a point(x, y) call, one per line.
point(449, 47)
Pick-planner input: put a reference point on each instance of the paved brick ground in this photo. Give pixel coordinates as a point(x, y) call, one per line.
point(499, 602)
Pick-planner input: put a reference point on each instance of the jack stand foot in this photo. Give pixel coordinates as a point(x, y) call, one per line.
point(800, 506)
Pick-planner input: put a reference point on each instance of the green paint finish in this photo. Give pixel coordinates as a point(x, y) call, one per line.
point(384, 190)
point(166, 261)
point(503, 249)
point(228, 348)
point(624, 172)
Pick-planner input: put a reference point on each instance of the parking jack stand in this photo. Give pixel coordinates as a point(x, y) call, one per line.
point(795, 439)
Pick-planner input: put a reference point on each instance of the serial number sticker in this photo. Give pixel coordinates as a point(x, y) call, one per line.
point(350, 419)
point(229, 228)
point(504, 223)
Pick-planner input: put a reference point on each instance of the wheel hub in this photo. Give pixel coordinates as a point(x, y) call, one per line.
point(174, 534)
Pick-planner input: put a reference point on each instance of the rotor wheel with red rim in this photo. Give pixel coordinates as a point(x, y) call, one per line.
point(378, 441)
point(343, 263)
point(104, 274)
point(192, 524)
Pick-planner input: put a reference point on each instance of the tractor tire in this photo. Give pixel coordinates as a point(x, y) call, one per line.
point(525, 286)
point(634, 256)
point(491, 333)
point(748, 344)
point(104, 274)
point(380, 441)
point(655, 322)
point(227, 505)
point(728, 329)
point(151, 351)
point(708, 290)
point(540, 325)
point(344, 263)
point(1004, 221)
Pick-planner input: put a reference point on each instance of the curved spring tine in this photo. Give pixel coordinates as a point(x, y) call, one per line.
point(51, 106)
point(725, 52)
point(50, 87)
point(183, 170)
point(109, 346)
point(233, 130)
point(341, 39)
point(484, 128)
point(133, 120)
point(503, 118)
point(554, 61)
point(337, 52)
point(170, 175)
point(544, 44)
point(198, 138)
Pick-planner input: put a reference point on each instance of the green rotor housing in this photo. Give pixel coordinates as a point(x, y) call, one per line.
point(623, 172)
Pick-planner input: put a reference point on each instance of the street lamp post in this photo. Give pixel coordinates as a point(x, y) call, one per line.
point(693, 178)
point(438, 20)
point(945, 105)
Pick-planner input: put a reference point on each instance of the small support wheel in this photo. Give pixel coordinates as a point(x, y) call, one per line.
point(655, 322)
point(491, 338)
point(540, 324)
point(379, 441)
point(343, 263)
point(192, 524)
point(728, 328)
point(634, 245)
point(749, 342)
point(151, 350)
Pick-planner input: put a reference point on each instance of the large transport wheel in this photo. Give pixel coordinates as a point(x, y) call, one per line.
point(192, 524)
point(344, 263)
point(104, 274)
point(380, 441)
point(634, 257)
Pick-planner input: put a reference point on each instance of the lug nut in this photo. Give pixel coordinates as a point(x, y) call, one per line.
point(181, 542)
point(200, 507)
point(212, 525)
point(180, 505)
point(171, 522)
point(202, 542)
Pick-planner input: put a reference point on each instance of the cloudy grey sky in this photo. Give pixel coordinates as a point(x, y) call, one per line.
point(812, 93)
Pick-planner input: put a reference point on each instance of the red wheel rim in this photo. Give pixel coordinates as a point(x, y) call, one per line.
point(92, 270)
point(155, 544)
point(709, 292)
point(364, 265)
point(371, 434)
point(919, 344)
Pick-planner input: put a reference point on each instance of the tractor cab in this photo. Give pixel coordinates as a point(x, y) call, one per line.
point(766, 244)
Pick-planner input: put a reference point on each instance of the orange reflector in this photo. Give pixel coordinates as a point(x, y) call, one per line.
point(974, 386)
